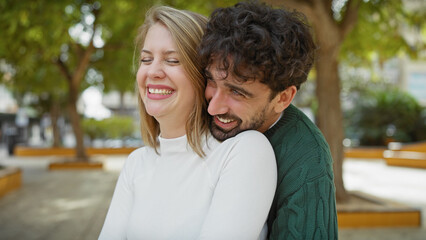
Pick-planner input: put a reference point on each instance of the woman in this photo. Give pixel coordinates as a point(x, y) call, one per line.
point(185, 184)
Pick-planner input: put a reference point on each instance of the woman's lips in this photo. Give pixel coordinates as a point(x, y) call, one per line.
point(159, 92)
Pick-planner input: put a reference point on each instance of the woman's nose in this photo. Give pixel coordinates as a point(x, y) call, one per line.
point(156, 70)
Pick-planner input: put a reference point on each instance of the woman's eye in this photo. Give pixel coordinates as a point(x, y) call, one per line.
point(173, 61)
point(146, 60)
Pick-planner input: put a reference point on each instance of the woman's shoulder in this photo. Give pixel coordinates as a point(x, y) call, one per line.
point(138, 152)
point(247, 142)
point(247, 150)
point(138, 155)
point(248, 137)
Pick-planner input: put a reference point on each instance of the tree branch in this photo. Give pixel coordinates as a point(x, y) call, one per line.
point(112, 46)
point(324, 14)
point(84, 59)
point(328, 4)
point(79, 50)
point(350, 17)
point(64, 69)
point(303, 6)
point(82, 65)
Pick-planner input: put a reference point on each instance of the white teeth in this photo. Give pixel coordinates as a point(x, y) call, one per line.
point(224, 120)
point(159, 91)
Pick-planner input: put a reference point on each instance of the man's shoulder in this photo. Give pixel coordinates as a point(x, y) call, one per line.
point(298, 142)
point(295, 127)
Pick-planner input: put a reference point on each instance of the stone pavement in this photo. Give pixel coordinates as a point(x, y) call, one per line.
point(57, 205)
point(398, 184)
point(66, 205)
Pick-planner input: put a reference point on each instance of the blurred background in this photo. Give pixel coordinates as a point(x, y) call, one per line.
point(67, 81)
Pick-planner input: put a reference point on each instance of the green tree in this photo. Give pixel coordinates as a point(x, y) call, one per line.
point(39, 82)
point(60, 41)
point(117, 65)
point(62, 47)
point(335, 22)
point(37, 32)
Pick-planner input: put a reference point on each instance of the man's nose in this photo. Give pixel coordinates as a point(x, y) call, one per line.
point(217, 102)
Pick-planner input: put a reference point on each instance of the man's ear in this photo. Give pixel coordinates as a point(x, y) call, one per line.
point(284, 98)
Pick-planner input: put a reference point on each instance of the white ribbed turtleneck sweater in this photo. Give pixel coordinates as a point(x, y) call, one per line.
point(178, 195)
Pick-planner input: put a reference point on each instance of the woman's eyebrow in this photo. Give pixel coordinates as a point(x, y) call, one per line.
point(164, 52)
point(168, 52)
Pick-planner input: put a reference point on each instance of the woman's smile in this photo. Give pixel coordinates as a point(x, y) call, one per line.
point(159, 92)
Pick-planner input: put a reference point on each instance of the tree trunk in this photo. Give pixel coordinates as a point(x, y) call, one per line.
point(329, 36)
point(121, 107)
point(76, 126)
point(54, 116)
point(329, 115)
point(74, 80)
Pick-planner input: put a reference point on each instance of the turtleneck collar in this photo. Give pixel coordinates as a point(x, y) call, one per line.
point(173, 145)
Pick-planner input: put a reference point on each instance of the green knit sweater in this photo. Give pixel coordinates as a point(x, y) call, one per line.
point(304, 206)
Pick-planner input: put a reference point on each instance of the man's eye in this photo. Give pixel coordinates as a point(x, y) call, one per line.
point(210, 82)
point(236, 93)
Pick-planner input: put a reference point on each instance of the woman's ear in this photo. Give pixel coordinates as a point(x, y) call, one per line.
point(284, 98)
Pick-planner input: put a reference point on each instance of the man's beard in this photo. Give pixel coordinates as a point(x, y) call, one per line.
point(222, 134)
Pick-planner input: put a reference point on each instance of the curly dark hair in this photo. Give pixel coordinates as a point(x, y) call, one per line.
point(273, 45)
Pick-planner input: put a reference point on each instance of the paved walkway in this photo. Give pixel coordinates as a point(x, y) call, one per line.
point(399, 184)
point(65, 205)
point(57, 205)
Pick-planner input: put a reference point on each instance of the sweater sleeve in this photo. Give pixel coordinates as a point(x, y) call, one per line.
point(244, 192)
point(304, 206)
point(308, 213)
point(115, 224)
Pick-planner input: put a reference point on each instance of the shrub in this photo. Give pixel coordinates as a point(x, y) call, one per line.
point(387, 115)
point(113, 127)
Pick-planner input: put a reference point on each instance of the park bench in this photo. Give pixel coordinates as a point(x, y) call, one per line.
point(406, 155)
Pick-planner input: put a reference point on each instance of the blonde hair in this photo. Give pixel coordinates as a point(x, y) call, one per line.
point(187, 29)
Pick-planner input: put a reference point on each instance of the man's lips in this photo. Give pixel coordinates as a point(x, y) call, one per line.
point(224, 120)
point(225, 123)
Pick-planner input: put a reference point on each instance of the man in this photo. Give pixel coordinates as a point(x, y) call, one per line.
point(255, 60)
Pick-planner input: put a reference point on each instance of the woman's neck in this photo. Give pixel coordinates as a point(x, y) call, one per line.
point(172, 129)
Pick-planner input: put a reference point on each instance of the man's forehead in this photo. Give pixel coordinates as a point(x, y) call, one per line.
point(219, 71)
point(230, 80)
point(221, 65)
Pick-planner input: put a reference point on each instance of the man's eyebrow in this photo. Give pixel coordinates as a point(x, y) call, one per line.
point(208, 74)
point(240, 89)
